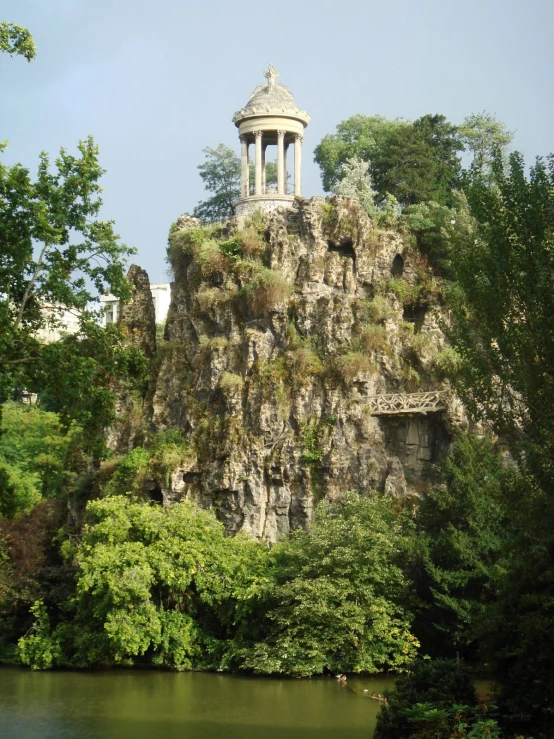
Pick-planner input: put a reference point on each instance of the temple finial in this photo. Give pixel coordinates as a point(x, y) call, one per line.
point(271, 75)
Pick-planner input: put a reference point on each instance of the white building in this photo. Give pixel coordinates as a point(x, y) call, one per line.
point(161, 296)
point(58, 323)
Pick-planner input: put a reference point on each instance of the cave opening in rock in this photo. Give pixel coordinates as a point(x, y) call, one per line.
point(156, 495)
point(346, 249)
point(415, 313)
point(397, 269)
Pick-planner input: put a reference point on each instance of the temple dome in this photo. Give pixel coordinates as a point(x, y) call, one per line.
point(271, 99)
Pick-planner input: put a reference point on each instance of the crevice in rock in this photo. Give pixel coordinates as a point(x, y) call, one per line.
point(397, 269)
point(415, 313)
point(346, 249)
point(156, 495)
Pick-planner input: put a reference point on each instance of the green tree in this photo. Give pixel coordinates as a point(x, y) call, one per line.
point(419, 162)
point(55, 252)
point(34, 450)
point(483, 135)
point(359, 137)
point(463, 529)
point(503, 263)
point(414, 162)
point(16, 39)
point(356, 183)
point(436, 699)
point(220, 174)
point(339, 598)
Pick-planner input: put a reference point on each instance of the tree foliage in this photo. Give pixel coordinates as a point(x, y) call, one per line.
point(55, 253)
point(355, 182)
point(503, 263)
point(437, 700)
point(483, 136)
point(221, 174)
point(414, 162)
point(34, 457)
point(166, 587)
point(464, 528)
point(339, 602)
point(16, 39)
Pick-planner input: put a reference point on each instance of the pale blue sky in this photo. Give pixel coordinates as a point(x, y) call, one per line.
point(155, 82)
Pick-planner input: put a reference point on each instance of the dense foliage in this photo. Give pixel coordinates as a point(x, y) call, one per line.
point(503, 263)
point(415, 162)
point(166, 587)
point(436, 699)
point(35, 453)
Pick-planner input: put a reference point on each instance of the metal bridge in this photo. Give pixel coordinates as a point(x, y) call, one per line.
point(395, 403)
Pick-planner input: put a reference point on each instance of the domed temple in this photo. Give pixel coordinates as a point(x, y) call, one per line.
point(270, 118)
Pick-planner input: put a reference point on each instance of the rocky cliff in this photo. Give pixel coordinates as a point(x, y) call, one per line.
point(280, 333)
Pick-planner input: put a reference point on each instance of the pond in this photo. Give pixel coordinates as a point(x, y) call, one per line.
point(137, 704)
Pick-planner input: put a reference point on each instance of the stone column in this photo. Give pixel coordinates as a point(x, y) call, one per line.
point(244, 172)
point(258, 180)
point(285, 173)
point(264, 178)
point(280, 162)
point(298, 138)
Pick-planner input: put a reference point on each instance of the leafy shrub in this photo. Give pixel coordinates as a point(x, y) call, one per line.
point(130, 473)
point(232, 249)
point(145, 575)
point(350, 365)
point(169, 450)
point(251, 242)
point(211, 258)
point(188, 241)
point(312, 452)
point(207, 345)
point(447, 362)
point(302, 363)
point(38, 648)
point(378, 309)
point(406, 293)
point(210, 297)
point(35, 453)
point(266, 289)
point(374, 338)
point(436, 699)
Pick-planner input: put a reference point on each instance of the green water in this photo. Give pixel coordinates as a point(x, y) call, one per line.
point(147, 705)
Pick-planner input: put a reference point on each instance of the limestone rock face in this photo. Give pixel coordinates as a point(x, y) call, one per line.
point(137, 317)
point(137, 320)
point(270, 398)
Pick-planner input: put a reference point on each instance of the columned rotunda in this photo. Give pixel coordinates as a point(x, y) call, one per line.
point(270, 118)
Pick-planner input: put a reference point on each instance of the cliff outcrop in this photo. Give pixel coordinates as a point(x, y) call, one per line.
point(279, 334)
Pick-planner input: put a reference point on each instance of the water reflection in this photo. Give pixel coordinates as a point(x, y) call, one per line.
point(144, 705)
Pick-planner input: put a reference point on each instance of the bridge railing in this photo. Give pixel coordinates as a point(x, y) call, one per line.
point(394, 403)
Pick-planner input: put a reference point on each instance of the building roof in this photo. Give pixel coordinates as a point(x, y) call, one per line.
point(271, 99)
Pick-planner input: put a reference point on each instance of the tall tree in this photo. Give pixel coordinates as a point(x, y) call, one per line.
point(414, 162)
point(419, 163)
point(54, 252)
point(503, 262)
point(358, 137)
point(220, 174)
point(483, 134)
